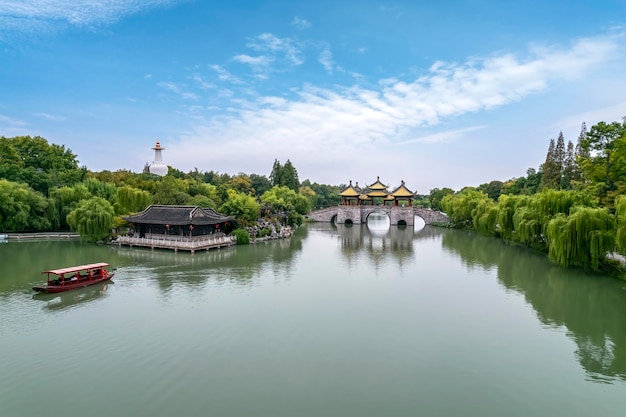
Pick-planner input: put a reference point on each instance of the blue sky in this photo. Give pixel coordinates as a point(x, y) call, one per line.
point(438, 94)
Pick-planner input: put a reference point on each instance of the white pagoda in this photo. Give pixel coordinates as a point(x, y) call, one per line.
point(158, 167)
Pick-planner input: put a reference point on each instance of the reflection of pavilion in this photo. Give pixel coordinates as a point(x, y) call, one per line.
point(376, 194)
point(377, 244)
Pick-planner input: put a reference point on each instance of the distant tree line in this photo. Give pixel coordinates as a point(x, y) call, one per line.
point(42, 188)
point(573, 207)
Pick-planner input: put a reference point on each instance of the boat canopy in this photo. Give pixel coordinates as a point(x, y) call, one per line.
point(76, 268)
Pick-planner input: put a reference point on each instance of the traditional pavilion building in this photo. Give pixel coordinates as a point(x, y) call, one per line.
point(402, 196)
point(376, 194)
point(190, 228)
point(178, 221)
point(350, 195)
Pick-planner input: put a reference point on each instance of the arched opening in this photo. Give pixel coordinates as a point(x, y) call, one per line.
point(418, 224)
point(401, 223)
point(378, 222)
point(348, 222)
point(333, 220)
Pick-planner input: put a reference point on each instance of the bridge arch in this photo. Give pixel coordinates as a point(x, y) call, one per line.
point(359, 214)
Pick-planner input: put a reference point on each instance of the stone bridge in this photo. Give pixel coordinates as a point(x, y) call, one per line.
point(358, 214)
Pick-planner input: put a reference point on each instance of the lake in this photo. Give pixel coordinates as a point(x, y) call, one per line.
point(368, 320)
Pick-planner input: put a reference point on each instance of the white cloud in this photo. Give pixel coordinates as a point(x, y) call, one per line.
point(285, 46)
point(300, 23)
point(35, 15)
point(51, 117)
point(203, 84)
point(326, 59)
point(258, 64)
point(445, 136)
point(224, 75)
point(363, 126)
point(170, 86)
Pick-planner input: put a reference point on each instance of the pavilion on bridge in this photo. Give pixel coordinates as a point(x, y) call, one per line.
point(376, 194)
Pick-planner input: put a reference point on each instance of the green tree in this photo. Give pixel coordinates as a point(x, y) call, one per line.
point(492, 189)
point(260, 183)
point(241, 183)
point(283, 199)
point(551, 168)
point(131, 200)
point(171, 190)
point(284, 175)
point(92, 219)
point(436, 195)
point(459, 206)
point(605, 144)
point(570, 168)
point(276, 176)
point(21, 208)
point(242, 206)
point(583, 238)
point(64, 200)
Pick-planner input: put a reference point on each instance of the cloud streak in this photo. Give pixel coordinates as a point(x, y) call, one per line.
point(37, 15)
point(326, 125)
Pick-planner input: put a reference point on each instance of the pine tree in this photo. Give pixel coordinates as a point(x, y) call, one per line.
point(276, 177)
point(581, 151)
point(551, 170)
point(570, 169)
point(290, 176)
point(559, 155)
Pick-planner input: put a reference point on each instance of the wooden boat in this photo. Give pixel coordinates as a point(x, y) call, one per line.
point(80, 276)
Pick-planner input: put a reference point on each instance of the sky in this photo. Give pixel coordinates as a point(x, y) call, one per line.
point(437, 94)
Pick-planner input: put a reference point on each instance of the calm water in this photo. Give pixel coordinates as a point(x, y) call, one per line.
point(346, 321)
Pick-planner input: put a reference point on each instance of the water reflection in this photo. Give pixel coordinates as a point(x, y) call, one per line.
point(240, 265)
point(591, 307)
point(69, 299)
point(376, 242)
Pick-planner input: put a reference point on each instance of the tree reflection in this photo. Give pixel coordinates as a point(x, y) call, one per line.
point(591, 307)
point(240, 265)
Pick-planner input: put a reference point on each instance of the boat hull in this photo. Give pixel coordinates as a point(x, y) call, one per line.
point(71, 286)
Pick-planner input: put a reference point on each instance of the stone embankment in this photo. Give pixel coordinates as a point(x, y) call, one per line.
point(264, 231)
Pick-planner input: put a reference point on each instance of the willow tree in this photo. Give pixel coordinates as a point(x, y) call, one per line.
point(459, 206)
point(92, 219)
point(507, 205)
point(551, 202)
point(583, 238)
point(131, 200)
point(65, 199)
point(485, 216)
point(528, 226)
point(620, 212)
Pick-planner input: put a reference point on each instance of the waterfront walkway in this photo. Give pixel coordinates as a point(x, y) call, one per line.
point(176, 243)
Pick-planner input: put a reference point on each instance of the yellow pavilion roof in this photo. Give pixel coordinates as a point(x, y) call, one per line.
point(378, 186)
point(350, 191)
point(402, 191)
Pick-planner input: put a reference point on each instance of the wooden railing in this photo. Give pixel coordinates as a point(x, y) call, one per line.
point(177, 242)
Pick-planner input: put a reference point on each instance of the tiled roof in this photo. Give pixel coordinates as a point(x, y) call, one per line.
point(350, 191)
point(177, 215)
point(378, 186)
point(402, 191)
